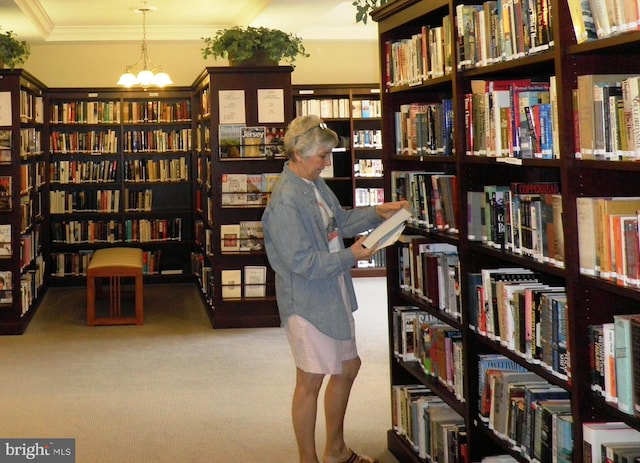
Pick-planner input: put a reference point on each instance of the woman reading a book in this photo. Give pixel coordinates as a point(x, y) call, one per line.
point(304, 226)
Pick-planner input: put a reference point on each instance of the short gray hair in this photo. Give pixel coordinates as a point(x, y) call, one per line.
point(307, 135)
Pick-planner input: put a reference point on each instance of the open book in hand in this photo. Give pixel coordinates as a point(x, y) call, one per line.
point(388, 231)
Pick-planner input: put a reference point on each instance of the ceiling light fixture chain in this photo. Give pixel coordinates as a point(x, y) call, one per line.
point(144, 72)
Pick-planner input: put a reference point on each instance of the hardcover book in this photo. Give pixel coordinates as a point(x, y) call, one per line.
point(388, 231)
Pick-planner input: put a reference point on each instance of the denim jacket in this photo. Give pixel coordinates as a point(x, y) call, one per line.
point(298, 250)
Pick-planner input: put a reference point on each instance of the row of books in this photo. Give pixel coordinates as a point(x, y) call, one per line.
point(76, 171)
point(114, 231)
point(30, 142)
point(514, 307)
point(607, 117)
point(66, 202)
point(248, 282)
point(614, 361)
point(339, 108)
point(31, 282)
point(424, 129)
point(526, 411)
point(377, 260)
point(430, 271)
point(425, 55)
point(368, 196)
point(246, 189)
point(502, 30)
point(436, 346)
point(85, 112)
point(241, 141)
point(512, 118)
point(610, 442)
point(367, 139)
point(161, 170)
point(92, 142)
point(524, 218)
point(608, 238)
point(433, 198)
point(108, 112)
point(160, 141)
point(598, 19)
point(368, 168)
point(432, 428)
point(203, 274)
point(76, 263)
point(32, 176)
point(31, 107)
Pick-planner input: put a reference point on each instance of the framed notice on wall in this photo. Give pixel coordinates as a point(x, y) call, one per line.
point(270, 105)
point(231, 107)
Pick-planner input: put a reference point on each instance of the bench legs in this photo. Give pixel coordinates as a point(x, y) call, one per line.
point(115, 300)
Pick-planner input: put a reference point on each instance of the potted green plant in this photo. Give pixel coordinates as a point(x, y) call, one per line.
point(365, 7)
point(13, 51)
point(254, 46)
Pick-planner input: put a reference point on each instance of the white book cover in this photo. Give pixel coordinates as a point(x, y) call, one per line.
point(255, 280)
point(231, 284)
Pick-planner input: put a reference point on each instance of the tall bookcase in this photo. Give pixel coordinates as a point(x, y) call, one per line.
point(120, 174)
point(356, 177)
point(23, 168)
point(234, 175)
point(590, 300)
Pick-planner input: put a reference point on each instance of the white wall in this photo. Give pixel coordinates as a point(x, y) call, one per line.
point(100, 65)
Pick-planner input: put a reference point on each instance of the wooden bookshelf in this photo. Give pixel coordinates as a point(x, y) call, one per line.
point(230, 306)
point(131, 153)
point(353, 111)
point(591, 300)
point(23, 169)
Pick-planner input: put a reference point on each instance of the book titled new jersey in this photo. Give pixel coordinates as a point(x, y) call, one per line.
point(388, 231)
point(254, 141)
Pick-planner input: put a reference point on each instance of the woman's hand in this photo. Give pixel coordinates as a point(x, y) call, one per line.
point(359, 251)
point(386, 210)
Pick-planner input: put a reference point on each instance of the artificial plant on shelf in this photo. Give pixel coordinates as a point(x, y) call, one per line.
point(243, 44)
point(13, 52)
point(365, 7)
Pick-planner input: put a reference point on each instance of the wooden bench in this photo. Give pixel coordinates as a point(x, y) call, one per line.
point(115, 264)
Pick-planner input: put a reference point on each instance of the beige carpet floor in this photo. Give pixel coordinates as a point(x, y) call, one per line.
point(174, 390)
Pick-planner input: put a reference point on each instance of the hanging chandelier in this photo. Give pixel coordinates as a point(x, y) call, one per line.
point(144, 73)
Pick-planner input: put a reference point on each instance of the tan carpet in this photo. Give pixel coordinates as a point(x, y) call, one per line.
point(174, 390)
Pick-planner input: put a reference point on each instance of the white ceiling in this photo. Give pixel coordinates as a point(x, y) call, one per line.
point(49, 21)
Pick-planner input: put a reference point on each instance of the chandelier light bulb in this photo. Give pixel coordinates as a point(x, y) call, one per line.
point(144, 73)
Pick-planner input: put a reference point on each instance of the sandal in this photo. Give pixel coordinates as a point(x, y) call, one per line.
point(355, 458)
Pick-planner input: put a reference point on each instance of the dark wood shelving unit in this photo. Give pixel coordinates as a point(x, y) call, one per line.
point(590, 300)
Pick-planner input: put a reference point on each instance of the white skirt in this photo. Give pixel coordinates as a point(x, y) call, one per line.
point(314, 351)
